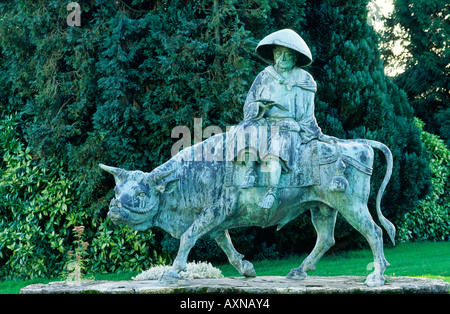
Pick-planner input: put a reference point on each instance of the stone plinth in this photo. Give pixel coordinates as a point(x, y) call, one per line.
point(258, 285)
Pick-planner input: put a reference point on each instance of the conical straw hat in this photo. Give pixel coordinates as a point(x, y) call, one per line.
point(286, 38)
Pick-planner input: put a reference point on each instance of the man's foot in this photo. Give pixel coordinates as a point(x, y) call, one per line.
point(269, 198)
point(267, 202)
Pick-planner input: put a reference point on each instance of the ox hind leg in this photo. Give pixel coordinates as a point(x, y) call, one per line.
point(245, 268)
point(324, 220)
point(359, 217)
point(209, 219)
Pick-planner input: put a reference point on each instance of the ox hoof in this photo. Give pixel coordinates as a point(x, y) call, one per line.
point(247, 269)
point(374, 280)
point(169, 277)
point(296, 274)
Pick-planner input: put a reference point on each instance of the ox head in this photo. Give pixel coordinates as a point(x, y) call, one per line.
point(138, 196)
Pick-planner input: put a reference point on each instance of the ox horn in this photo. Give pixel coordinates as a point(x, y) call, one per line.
point(160, 176)
point(116, 172)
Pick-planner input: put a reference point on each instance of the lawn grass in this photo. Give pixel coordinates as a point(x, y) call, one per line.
point(14, 286)
point(419, 259)
point(406, 259)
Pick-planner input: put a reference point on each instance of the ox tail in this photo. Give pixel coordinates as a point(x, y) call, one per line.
point(390, 228)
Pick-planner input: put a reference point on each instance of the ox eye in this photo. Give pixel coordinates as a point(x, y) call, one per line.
point(141, 194)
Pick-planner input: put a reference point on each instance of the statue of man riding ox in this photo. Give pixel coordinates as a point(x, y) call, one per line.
point(269, 180)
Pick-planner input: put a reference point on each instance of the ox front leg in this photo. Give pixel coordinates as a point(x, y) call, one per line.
point(209, 219)
point(245, 268)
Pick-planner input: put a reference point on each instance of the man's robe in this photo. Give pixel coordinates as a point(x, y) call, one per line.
point(297, 123)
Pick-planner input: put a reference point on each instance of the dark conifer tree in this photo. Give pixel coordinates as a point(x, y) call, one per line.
point(112, 89)
point(423, 32)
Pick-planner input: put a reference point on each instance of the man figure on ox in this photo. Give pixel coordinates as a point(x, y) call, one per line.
point(281, 98)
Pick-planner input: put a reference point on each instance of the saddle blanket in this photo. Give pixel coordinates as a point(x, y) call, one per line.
point(303, 169)
point(305, 161)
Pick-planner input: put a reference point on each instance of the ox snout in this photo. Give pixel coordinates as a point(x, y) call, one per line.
point(115, 203)
point(116, 212)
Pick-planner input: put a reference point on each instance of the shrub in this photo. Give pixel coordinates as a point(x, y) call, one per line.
point(39, 208)
point(194, 270)
point(430, 219)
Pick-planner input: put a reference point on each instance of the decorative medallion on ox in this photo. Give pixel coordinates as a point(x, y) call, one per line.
point(272, 166)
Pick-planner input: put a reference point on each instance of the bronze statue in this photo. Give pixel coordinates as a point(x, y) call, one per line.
point(268, 180)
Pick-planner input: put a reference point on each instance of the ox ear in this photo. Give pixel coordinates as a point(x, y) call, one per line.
point(167, 187)
point(119, 174)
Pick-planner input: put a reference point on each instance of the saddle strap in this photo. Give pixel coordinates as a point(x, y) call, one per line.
point(348, 160)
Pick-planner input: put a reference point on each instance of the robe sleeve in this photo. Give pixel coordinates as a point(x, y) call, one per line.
point(252, 108)
point(309, 129)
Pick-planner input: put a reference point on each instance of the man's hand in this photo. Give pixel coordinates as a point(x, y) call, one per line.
point(267, 104)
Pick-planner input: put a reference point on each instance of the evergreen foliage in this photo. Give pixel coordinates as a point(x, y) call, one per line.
point(429, 221)
point(356, 100)
point(112, 90)
point(39, 208)
point(423, 30)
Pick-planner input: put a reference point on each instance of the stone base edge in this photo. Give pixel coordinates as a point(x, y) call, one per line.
point(241, 285)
